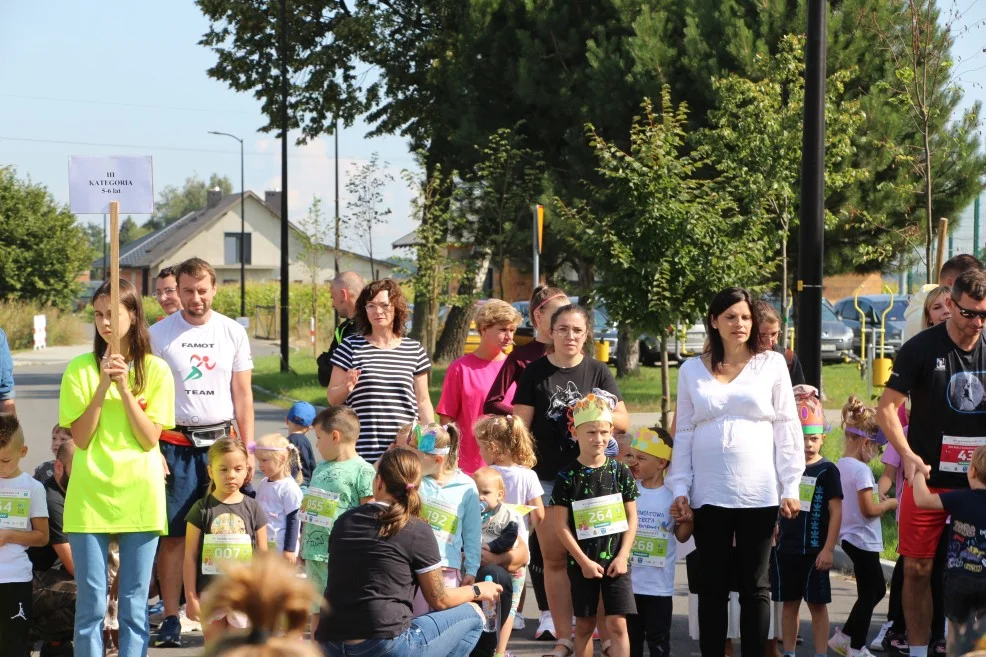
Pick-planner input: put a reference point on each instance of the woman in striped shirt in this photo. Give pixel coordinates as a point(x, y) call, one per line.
point(379, 373)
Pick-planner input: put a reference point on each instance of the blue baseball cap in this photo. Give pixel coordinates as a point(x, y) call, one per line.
point(302, 413)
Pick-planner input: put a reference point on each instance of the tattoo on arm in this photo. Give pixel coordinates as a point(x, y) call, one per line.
point(438, 582)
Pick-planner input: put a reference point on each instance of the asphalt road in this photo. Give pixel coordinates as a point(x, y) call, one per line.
point(37, 377)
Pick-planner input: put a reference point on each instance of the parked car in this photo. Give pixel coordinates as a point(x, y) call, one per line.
point(872, 306)
point(837, 337)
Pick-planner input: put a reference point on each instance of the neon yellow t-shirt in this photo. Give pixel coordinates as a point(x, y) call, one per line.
point(115, 485)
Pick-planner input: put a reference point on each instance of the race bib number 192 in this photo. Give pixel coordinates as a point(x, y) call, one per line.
point(442, 517)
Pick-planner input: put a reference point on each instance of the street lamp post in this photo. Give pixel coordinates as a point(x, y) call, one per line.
point(242, 225)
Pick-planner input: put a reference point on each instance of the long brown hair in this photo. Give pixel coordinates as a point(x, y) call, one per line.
point(276, 603)
point(400, 474)
point(140, 339)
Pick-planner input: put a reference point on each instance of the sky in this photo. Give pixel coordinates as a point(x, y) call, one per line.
point(111, 77)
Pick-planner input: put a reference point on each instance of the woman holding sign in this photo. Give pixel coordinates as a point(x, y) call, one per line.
point(380, 552)
point(739, 455)
point(115, 405)
point(548, 387)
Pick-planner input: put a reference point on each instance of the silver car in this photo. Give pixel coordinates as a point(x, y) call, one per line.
point(872, 307)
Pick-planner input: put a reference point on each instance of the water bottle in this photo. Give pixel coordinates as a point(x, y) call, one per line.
point(491, 613)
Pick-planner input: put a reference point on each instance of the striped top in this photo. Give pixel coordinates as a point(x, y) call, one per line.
point(383, 398)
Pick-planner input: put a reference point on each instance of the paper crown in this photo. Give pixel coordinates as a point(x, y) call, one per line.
point(597, 406)
point(810, 411)
point(650, 442)
point(425, 439)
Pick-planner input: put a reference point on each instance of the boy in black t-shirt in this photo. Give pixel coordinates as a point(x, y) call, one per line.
point(594, 513)
point(806, 543)
point(965, 581)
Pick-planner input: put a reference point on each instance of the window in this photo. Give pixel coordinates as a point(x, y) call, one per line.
point(232, 248)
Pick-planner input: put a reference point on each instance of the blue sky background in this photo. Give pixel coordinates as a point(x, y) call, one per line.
point(118, 77)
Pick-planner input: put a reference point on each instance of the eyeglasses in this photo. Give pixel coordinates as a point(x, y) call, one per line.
point(969, 314)
point(574, 332)
point(167, 291)
point(379, 307)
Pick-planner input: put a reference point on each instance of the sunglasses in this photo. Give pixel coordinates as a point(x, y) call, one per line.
point(969, 314)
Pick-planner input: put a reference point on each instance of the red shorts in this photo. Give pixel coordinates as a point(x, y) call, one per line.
point(919, 530)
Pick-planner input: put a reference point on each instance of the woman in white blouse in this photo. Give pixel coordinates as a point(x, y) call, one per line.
point(738, 457)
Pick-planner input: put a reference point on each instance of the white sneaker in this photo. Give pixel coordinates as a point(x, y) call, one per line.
point(862, 652)
point(877, 643)
point(519, 622)
point(839, 642)
point(187, 624)
point(546, 628)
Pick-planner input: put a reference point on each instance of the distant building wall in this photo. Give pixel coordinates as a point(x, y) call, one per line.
point(845, 285)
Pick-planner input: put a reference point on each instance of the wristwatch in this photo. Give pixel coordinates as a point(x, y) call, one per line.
point(476, 592)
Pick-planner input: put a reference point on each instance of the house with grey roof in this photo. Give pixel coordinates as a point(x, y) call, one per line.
point(213, 234)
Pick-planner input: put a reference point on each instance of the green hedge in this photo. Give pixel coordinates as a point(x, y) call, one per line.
point(17, 321)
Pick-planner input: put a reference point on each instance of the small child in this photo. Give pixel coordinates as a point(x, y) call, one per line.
point(861, 534)
point(806, 543)
point(653, 554)
point(224, 526)
point(965, 583)
point(595, 514)
point(450, 504)
point(342, 481)
point(24, 525)
point(503, 530)
point(46, 470)
point(506, 445)
point(279, 494)
point(299, 423)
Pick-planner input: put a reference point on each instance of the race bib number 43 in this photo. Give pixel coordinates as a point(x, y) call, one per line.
point(320, 508)
point(650, 548)
point(442, 517)
point(956, 452)
point(600, 516)
point(219, 549)
point(15, 509)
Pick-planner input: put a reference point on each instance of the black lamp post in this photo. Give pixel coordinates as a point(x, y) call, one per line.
point(242, 225)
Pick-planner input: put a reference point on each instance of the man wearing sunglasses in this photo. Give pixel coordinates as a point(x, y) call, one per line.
point(943, 370)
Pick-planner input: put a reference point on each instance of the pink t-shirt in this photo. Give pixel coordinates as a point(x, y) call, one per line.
point(467, 382)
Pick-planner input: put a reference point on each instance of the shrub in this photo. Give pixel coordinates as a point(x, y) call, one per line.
point(17, 321)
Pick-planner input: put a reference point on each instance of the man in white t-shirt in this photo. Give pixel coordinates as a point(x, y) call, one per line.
point(209, 356)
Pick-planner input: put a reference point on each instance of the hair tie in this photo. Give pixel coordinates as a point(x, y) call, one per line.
point(266, 448)
point(410, 487)
point(510, 418)
point(538, 307)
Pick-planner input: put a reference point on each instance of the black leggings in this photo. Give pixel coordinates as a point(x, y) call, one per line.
point(870, 589)
point(536, 571)
point(895, 612)
point(486, 646)
point(651, 622)
point(715, 529)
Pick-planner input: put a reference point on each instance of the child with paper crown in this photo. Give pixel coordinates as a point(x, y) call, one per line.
point(653, 553)
point(806, 542)
point(595, 514)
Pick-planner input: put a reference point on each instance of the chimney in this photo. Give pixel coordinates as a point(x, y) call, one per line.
point(272, 199)
point(213, 196)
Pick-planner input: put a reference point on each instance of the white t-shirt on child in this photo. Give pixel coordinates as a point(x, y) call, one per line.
point(278, 499)
point(653, 516)
point(865, 533)
point(521, 483)
point(15, 566)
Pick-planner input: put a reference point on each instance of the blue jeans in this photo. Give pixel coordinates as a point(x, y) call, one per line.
point(136, 558)
point(453, 633)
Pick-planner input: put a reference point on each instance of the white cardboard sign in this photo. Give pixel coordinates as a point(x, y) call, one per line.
point(96, 180)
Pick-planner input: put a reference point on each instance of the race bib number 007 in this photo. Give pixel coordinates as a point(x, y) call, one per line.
point(650, 548)
point(442, 517)
point(956, 452)
point(15, 509)
point(219, 549)
point(600, 516)
point(320, 507)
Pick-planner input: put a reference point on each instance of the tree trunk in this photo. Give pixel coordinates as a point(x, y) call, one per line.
point(587, 280)
point(627, 352)
point(784, 290)
point(665, 384)
point(453, 339)
point(930, 236)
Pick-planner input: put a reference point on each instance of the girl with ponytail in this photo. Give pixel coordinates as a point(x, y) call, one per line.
point(279, 494)
point(449, 503)
point(380, 552)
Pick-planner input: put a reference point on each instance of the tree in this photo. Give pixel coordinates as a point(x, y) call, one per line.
point(314, 233)
point(365, 185)
point(671, 239)
point(755, 142)
point(174, 203)
point(42, 247)
point(130, 231)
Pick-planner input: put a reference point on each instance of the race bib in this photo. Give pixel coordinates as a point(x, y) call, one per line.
point(15, 508)
point(320, 507)
point(650, 548)
point(219, 549)
point(807, 492)
point(442, 516)
point(600, 516)
point(956, 452)
point(521, 509)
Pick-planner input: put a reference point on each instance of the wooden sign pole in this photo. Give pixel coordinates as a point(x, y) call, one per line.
point(114, 277)
point(942, 234)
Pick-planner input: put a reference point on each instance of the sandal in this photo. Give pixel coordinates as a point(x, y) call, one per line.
point(567, 646)
point(604, 647)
